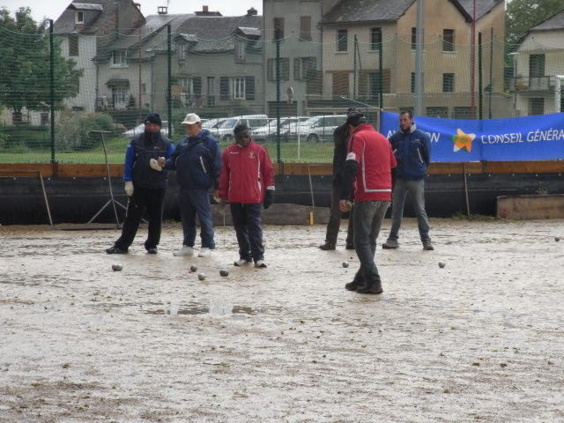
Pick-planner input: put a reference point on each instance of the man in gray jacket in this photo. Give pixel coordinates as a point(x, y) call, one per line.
point(412, 149)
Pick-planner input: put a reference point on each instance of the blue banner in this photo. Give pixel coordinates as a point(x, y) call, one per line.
point(514, 139)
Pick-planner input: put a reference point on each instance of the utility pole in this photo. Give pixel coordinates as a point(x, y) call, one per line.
point(473, 63)
point(419, 58)
point(278, 36)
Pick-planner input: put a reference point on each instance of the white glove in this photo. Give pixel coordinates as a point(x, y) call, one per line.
point(129, 188)
point(155, 165)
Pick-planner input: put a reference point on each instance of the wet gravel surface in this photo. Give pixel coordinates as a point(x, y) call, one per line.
point(480, 339)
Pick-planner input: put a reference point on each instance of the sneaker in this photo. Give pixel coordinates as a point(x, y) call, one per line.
point(116, 250)
point(427, 245)
point(152, 250)
point(372, 289)
point(241, 262)
point(390, 244)
point(260, 264)
point(184, 251)
point(327, 246)
point(204, 252)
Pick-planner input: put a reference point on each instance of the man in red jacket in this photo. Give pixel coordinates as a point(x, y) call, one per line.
point(247, 182)
point(369, 165)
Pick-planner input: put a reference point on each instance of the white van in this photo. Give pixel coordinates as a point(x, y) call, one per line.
point(224, 132)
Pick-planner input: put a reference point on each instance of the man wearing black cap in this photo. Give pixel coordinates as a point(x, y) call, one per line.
point(145, 185)
point(247, 182)
point(369, 164)
point(340, 137)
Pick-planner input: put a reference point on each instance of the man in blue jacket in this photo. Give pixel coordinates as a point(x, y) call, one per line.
point(197, 161)
point(145, 185)
point(412, 149)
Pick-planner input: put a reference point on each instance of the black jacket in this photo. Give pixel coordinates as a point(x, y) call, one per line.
point(340, 138)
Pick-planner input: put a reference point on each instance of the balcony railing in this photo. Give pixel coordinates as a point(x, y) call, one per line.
point(532, 83)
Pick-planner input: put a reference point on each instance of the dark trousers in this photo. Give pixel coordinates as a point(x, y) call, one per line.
point(247, 220)
point(368, 217)
point(334, 223)
point(143, 199)
point(196, 202)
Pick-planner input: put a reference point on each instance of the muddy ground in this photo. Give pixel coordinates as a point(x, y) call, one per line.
point(478, 340)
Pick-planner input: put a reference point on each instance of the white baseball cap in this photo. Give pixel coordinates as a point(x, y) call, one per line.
point(190, 119)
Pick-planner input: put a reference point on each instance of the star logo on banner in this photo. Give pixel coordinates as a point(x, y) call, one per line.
point(462, 141)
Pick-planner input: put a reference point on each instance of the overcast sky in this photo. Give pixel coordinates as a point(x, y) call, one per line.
point(52, 9)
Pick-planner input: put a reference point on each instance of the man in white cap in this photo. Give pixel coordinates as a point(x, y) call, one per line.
point(197, 161)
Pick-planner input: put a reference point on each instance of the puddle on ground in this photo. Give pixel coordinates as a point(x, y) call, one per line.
point(173, 308)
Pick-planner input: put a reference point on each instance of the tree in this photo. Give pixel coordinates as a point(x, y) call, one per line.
point(522, 15)
point(25, 65)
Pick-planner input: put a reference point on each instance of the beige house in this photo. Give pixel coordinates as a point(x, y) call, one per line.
point(369, 50)
point(538, 81)
point(292, 27)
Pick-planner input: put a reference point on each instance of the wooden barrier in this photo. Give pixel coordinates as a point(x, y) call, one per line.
point(62, 170)
point(524, 207)
point(315, 169)
point(7, 173)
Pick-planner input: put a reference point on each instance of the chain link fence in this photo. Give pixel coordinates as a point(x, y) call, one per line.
point(60, 92)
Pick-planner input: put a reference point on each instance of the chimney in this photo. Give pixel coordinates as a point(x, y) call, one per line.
point(206, 12)
point(252, 12)
point(162, 10)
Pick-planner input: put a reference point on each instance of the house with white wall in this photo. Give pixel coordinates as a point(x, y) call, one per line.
point(538, 80)
point(86, 28)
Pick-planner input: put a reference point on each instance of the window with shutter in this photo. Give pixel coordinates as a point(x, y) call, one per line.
point(197, 83)
point(448, 39)
point(224, 88)
point(278, 28)
point(342, 40)
point(375, 38)
point(305, 27)
point(250, 88)
point(73, 45)
point(341, 84)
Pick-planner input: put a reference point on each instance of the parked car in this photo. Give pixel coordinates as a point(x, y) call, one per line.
point(269, 131)
point(318, 128)
point(224, 132)
point(141, 127)
point(213, 123)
